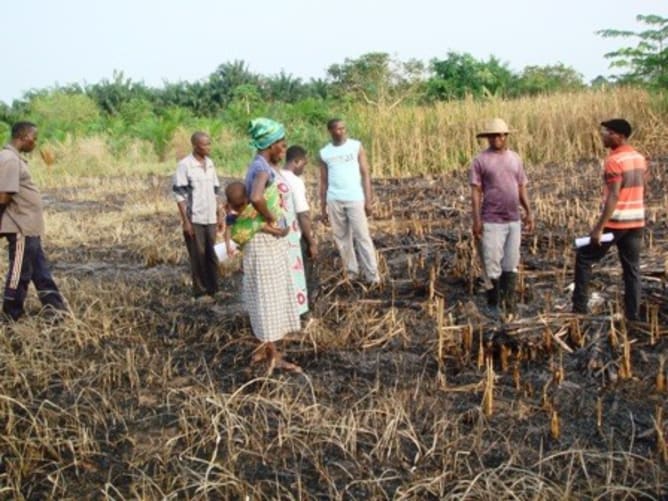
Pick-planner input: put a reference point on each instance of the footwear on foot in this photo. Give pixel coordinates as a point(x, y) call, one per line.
point(260, 354)
point(492, 312)
point(53, 315)
point(508, 295)
point(204, 299)
point(288, 367)
point(493, 293)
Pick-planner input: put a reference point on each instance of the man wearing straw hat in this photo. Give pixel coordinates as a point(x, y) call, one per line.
point(498, 188)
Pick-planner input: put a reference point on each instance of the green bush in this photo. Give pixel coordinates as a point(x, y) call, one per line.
point(58, 114)
point(4, 132)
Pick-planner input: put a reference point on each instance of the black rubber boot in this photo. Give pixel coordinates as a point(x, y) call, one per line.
point(492, 309)
point(493, 293)
point(508, 286)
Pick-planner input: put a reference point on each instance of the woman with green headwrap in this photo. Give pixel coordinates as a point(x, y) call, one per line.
point(267, 284)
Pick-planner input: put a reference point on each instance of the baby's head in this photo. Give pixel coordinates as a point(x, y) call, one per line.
point(237, 198)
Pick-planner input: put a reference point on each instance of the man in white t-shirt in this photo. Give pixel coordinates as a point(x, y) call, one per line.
point(296, 160)
point(345, 200)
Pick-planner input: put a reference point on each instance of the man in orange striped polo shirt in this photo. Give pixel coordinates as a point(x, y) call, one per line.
point(623, 215)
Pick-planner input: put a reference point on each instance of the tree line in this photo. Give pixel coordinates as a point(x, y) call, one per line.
point(233, 92)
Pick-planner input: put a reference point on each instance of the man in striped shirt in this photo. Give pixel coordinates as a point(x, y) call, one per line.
point(623, 215)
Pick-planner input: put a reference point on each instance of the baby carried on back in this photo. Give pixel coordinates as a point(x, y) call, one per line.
point(243, 221)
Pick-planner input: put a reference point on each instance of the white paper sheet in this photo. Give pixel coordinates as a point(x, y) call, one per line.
point(221, 250)
point(582, 241)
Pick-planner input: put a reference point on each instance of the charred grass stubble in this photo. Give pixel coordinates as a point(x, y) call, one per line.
point(408, 391)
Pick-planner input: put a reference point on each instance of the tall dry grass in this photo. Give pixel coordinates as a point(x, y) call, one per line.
point(406, 141)
point(555, 128)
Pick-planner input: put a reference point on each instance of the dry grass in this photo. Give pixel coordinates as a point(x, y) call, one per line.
point(145, 395)
point(408, 392)
point(555, 128)
point(406, 141)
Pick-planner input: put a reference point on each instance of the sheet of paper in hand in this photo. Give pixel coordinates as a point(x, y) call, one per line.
point(582, 241)
point(221, 250)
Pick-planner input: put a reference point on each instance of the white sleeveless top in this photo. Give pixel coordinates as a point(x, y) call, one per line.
point(344, 181)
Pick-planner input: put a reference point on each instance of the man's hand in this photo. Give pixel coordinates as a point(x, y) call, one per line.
point(324, 217)
point(313, 251)
point(595, 235)
point(477, 228)
point(220, 227)
point(188, 229)
point(367, 209)
point(528, 222)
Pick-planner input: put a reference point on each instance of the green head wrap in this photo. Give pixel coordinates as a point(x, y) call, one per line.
point(264, 132)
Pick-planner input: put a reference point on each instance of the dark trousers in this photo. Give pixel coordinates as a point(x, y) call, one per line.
point(203, 260)
point(27, 263)
point(628, 244)
point(310, 273)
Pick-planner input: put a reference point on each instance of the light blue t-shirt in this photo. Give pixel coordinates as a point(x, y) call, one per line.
point(344, 181)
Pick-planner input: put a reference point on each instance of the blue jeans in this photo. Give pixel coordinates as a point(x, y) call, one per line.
point(27, 263)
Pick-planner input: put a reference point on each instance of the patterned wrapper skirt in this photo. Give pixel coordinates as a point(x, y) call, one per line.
point(268, 290)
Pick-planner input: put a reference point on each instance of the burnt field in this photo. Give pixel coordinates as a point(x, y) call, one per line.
point(408, 392)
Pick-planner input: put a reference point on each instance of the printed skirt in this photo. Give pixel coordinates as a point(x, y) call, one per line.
point(268, 289)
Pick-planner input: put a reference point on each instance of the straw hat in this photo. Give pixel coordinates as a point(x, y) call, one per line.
point(494, 126)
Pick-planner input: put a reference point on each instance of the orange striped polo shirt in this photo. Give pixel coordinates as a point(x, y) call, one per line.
point(625, 164)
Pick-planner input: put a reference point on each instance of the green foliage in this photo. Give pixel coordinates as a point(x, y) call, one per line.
point(121, 111)
point(377, 78)
point(227, 77)
point(599, 82)
point(547, 79)
point(313, 111)
point(246, 103)
point(286, 88)
point(647, 61)
point(160, 130)
point(198, 97)
point(461, 75)
point(57, 114)
point(8, 114)
point(111, 95)
point(135, 110)
point(5, 130)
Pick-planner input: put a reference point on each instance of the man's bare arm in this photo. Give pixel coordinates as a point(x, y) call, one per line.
point(528, 214)
point(476, 203)
point(304, 219)
point(323, 189)
point(366, 179)
point(608, 210)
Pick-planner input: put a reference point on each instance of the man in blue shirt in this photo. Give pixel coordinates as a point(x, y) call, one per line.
point(345, 201)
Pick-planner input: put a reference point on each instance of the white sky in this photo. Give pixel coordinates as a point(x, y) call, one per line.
point(58, 42)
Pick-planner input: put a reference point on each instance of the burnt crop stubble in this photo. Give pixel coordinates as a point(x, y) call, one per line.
point(408, 392)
